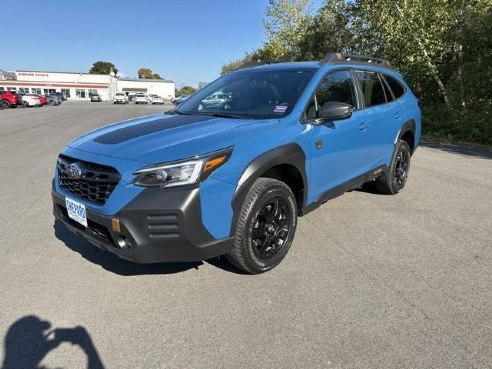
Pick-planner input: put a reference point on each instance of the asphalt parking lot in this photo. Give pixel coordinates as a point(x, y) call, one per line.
point(371, 281)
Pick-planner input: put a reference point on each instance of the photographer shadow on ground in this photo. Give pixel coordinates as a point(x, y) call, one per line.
point(30, 339)
point(111, 262)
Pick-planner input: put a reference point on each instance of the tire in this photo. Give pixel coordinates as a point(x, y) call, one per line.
point(265, 227)
point(25, 104)
point(393, 181)
point(4, 105)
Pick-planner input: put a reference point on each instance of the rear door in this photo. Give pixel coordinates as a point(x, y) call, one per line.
point(383, 117)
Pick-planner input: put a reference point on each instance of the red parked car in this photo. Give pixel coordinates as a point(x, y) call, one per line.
point(42, 100)
point(9, 99)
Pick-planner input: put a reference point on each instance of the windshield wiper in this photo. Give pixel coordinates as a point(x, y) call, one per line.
point(222, 115)
point(175, 111)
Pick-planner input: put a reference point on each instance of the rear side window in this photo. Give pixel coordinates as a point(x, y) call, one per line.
point(372, 88)
point(396, 87)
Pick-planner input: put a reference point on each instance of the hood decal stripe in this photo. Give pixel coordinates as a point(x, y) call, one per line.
point(142, 129)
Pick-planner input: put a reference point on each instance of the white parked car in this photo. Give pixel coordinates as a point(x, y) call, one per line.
point(30, 100)
point(157, 99)
point(141, 99)
point(120, 98)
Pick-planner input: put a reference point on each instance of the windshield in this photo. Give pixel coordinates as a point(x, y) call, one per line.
point(253, 94)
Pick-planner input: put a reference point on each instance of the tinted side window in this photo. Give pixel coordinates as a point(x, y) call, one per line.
point(387, 91)
point(336, 86)
point(372, 89)
point(395, 86)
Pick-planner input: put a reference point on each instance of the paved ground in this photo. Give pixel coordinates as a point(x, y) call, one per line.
point(371, 281)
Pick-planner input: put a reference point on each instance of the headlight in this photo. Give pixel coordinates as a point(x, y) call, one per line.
point(182, 172)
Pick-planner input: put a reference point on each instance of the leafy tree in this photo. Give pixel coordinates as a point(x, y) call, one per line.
point(146, 73)
point(185, 90)
point(442, 47)
point(102, 67)
point(247, 59)
point(328, 31)
point(285, 24)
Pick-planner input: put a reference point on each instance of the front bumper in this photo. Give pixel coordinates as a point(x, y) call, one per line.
point(157, 226)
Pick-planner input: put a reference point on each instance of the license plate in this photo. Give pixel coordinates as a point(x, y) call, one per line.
point(76, 211)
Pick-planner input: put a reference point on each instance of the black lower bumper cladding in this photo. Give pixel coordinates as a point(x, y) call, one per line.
point(157, 226)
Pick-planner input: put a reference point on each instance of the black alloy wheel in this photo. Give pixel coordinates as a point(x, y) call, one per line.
point(401, 169)
point(396, 176)
point(265, 226)
point(271, 229)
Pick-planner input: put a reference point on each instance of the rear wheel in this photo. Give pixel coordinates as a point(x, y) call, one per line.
point(393, 181)
point(4, 104)
point(265, 227)
point(25, 104)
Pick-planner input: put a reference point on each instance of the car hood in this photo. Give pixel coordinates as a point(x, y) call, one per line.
point(164, 137)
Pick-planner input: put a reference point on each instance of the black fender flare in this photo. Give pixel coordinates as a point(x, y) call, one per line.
point(290, 154)
point(408, 126)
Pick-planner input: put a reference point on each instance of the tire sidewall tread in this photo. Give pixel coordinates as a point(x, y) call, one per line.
point(242, 254)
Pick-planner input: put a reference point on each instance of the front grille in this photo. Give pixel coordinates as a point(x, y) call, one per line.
point(94, 182)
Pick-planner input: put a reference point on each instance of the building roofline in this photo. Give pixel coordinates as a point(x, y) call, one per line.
point(47, 71)
point(145, 80)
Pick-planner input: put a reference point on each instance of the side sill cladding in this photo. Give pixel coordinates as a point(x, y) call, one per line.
point(290, 154)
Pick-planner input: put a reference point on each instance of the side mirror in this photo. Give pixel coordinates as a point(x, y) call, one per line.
point(333, 110)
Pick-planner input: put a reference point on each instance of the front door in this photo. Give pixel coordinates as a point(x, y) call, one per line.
point(338, 148)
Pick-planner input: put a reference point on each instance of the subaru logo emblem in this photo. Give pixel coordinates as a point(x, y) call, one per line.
point(73, 171)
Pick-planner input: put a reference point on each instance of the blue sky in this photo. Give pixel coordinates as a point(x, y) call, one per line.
point(183, 40)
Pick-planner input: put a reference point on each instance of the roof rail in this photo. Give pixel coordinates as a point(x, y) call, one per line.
point(340, 58)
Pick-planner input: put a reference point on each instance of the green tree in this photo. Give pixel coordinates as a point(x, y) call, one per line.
point(185, 90)
point(285, 25)
point(328, 31)
point(146, 73)
point(247, 59)
point(102, 67)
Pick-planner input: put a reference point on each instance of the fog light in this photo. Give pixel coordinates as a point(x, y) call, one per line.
point(123, 242)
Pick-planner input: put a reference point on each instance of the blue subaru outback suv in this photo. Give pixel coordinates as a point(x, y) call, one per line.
point(231, 178)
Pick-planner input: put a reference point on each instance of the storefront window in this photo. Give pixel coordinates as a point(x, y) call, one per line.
point(23, 90)
point(11, 88)
point(36, 91)
point(80, 93)
point(92, 92)
point(66, 92)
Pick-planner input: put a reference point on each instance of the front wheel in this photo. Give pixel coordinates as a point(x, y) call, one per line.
point(265, 227)
point(393, 181)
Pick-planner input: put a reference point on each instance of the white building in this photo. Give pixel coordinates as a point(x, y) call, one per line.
point(80, 86)
point(159, 87)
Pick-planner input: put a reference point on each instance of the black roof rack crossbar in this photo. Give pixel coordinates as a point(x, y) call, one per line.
point(340, 58)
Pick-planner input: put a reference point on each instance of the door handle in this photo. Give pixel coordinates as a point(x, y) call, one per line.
point(398, 114)
point(363, 126)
